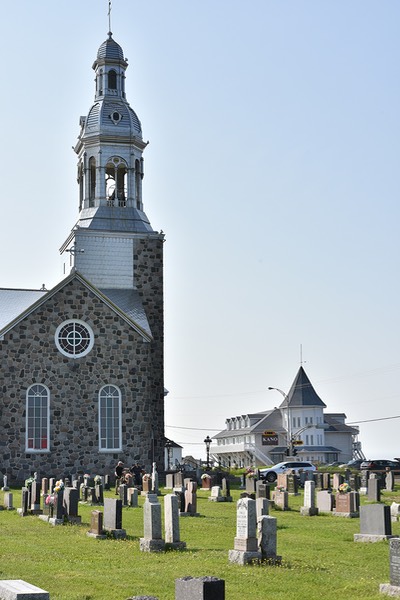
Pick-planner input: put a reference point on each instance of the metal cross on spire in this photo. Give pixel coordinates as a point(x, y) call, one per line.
point(109, 18)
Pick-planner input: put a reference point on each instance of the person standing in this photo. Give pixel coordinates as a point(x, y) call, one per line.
point(119, 471)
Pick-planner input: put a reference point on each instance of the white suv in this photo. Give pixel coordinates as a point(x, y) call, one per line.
point(271, 474)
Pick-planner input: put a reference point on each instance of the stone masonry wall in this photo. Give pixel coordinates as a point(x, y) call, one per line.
point(119, 356)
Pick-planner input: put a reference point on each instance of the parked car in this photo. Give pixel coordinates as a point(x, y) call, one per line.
point(379, 466)
point(353, 464)
point(272, 473)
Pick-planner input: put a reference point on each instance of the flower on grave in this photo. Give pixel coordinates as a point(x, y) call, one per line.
point(281, 488)
point(98, 479)
point(344, 488)
point(206, 476)
point(250, 473)
point(146, 477)
point(29, 481)
point(50, 500)
point(59, 486)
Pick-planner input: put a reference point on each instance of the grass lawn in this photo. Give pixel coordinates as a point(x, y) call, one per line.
point(320, 561)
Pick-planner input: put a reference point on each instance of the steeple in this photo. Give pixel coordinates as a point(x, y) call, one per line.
point(110, 172)
point(302, 392)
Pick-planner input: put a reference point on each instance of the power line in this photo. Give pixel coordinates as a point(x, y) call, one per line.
point(192, 428)
point(372, 420)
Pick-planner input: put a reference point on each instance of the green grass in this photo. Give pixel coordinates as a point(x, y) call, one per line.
point(320, 561)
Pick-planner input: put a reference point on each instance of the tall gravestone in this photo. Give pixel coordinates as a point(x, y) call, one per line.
point(374, 490)
point(71, 501)
point(113, 517)
point(309, 509)
point(325, 501)
point(171, 521)
point(267, 538)
point(393, 588)
point(191, 499)
point(152, 538)
point(245, 543)
point(96, 525)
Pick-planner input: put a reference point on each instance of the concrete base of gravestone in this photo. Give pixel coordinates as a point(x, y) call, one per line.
point(118, 534)
point(200, 588)
point(389, 590)
point(187, 514)
point(370, 537)
point(175, 545)
point(74, 520)
point(21, 512)
point(55, 522)
point(243, 558)
point(146, 545)
point(96, 536)
point(5, 489)
point(307, 511)
point(349, 515)
point(142, 598)
point(17, 589)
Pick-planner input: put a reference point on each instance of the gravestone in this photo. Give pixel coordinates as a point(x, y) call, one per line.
point(216, 494)
point(325, 501)
point(364, 482)
point(354, 482)
point(178, 479)
point(17, 589)
point(292, 485)
point(58, 511)
point(133, 495)
point(347, 505)
point(375, 523)
point(338, 479)
point(389, 481)
point(45, 486)
point(262, 507)
point(245, 543)
point(206, 481)
point(262, 490)
point(169, 481)
point(52, 483)
point(154, 480)
point(267, 538)
point(326, 481)
point(319, 480)
point(250, 484)
point(8, 501)
point(393, 588)
point(146, 484)
point(71, 501)
point(281, 499)
point(5, 487)
point(309, 509)
point(226, 490)
point(152, 539)
point(99, 493)
point(199, 588)
point(181, 499)
point(281, 481)
point(107, 482)
point(171, 520)
point(96, 525)
point(112, 520)
point(394, 511)
point(23, 511)
point(374, 489)
point(35, 498)
point(191, 500)
point(123, 494)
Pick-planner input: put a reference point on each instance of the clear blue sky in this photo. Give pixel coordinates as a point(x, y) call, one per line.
point(273, 169)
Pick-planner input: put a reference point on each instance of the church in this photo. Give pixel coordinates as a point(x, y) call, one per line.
point(81, 383)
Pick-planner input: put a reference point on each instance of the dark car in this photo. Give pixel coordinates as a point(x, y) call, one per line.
point(380, 466)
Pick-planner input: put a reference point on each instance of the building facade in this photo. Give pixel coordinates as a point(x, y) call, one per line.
point(299, 426)
point(82, 378)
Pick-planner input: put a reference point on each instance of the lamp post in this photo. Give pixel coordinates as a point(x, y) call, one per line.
point(207, 442)
point(289, 441)
point(168, 445)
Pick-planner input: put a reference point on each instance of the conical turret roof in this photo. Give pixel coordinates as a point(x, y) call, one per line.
point(302, 392)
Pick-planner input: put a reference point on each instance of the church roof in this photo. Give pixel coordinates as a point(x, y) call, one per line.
point(302, 392)
point(14, 302)
point(127, 303)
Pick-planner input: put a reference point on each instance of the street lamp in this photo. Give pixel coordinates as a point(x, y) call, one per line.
point(207, 442)
point(168, 445)
point(289, 424)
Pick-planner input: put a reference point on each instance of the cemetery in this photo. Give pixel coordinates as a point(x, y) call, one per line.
point(86, 543)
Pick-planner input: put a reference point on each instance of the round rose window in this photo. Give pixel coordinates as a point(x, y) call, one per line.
point(74, 338)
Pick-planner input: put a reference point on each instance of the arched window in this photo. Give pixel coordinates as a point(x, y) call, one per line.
point(37, 418)
point(112, 80)
point(92, 186)
point(110, 419)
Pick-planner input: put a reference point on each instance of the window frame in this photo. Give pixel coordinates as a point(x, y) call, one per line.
point(118, 398)
point(41, 450)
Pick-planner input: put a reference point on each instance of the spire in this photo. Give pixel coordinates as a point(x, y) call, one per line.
point(109, 19)
point(302, 392)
